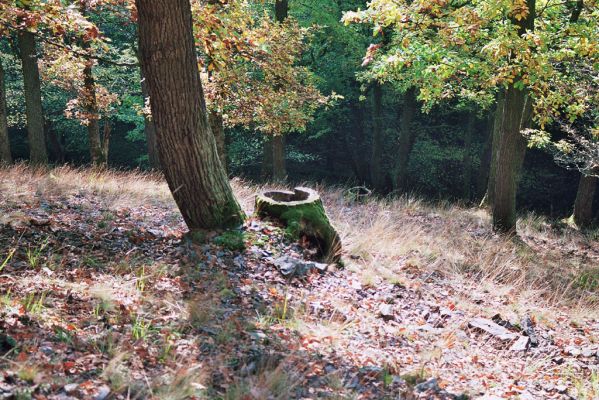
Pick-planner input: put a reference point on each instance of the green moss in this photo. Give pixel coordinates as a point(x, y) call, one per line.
point(231, 240)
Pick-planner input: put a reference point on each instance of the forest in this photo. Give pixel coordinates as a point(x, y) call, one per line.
point(299, 199)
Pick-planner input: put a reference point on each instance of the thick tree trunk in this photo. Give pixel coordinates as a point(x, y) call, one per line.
point(358, 162)
point(511, 150)
point(106, 138)
point(281, 10)
point(467, 158)
point(90, 104)
point(5, 155)
point(279, 170)
point(186, 146)
point(150, 130)
point(33, 99)
point(494, 138)
point(583, 206)
point(55, 145)
point(218, 129)
point(376, 158)
point(267, 158)
point(516, 115)
point(273, 161)
point(407, 137)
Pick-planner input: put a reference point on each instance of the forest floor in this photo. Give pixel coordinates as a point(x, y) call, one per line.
point(103, 297)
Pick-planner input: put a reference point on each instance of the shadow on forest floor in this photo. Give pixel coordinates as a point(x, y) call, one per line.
point(102, 297)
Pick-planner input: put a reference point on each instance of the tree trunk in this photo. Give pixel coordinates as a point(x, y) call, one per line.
point(267, 158)
point(511, 148)
point(281, 10)
point(186, 146)
point(279, 170)
point(33, 99)
point(55, 146)
point(274, 147)
point(407, 137)
point(583, 206)
point(376, 173)
point(467, 158)
point(5, 156)
point(358, 164)
point(218, 129)
point(494, 138)
point(90, 104)
point(106, 138)
point(149, 129)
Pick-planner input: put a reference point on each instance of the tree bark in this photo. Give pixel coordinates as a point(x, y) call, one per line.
point(376, 174)
point(279, 170)
point(90, 104)
point(149, 129)
point(511, 148)
point(5, 155)
point(495, 133)
point(407, 137)
point(273, 162)
point(186, 146)
point(467, 158)
point(218, 129)
point(583, 206)
point(33, 99)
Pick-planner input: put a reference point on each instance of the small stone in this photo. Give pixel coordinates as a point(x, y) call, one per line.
point(321, 267)
point(70, 388)
point(573, 351)
point(431, 384)
point(103, 393)
point(521, 344)
point(492, 328)
point(561, 389)
point(588, 352)
point(386, 312)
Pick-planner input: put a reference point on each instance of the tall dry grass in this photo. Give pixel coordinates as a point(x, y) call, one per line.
point(382, 237)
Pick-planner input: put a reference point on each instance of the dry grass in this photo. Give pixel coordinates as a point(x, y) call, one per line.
point(383, 238)
point(544, 263)
point(116, 188)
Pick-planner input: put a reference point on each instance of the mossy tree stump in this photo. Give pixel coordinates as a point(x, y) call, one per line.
point(303, 214)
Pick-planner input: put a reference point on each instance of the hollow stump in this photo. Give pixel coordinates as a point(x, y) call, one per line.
point(303, 213)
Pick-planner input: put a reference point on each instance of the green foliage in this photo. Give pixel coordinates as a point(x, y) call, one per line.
point(233, 240)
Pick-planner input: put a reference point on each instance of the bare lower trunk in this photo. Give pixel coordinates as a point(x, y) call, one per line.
point(33, 99)
point(516, 115)
point(267, 158)
point(186, 146)
point(376, 158)
point(5, 156)
point(218, 129)
point(583, 206)
point(150, 132)
point(511, 150)
point(106, 139)
point(407, 137)
point(488, 175)
point(467, 159)
point(90, 104)
point(279, 170)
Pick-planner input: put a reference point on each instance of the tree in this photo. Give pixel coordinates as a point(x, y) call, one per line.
point(33, 98)
point(511, 147)
point(186, 146)
point(583, 205)
point(5, 155)
point(473, 50)
point(250, 73)
point(406, 139)
point(376, 173)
